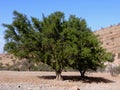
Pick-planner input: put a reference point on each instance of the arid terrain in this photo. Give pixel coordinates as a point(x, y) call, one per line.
point(13, 80)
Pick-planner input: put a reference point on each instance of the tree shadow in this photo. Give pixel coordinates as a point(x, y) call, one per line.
point(96, 80)
point(86, 79)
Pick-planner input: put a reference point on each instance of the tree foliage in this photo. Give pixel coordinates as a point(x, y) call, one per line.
point(55, 41)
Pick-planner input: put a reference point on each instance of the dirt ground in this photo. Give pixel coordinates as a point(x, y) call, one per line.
point(13, 80)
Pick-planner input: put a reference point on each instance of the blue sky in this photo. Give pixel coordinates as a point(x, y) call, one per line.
point(98, 13)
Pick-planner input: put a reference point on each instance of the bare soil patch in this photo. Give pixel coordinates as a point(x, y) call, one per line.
point(13, 80)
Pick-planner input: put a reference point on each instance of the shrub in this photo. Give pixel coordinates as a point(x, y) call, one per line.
point(114, 70)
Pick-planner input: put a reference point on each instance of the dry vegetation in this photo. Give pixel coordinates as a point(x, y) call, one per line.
point(13, 80)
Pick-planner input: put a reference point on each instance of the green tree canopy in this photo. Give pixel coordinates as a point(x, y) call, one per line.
point(55, 41)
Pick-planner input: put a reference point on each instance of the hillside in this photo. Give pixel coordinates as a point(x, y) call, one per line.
point(110, 39)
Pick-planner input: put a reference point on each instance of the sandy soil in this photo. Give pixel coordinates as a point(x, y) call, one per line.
point(12, 80)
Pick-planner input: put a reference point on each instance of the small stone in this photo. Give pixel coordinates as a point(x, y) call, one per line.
point(19, 86)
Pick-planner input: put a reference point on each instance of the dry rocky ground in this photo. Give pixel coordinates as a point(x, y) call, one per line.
point(12, 80)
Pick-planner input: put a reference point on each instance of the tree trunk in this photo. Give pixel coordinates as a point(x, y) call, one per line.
point(82, 73)
point(58, 75)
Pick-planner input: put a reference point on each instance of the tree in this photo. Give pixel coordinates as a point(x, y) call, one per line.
point(42, 41)
point(90, 53)
point(54, 41)
point(55, 47)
